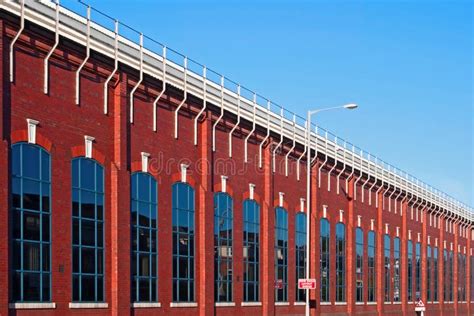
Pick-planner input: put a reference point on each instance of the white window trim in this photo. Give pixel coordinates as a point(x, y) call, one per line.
point(24, 305)
point(282, 303)
point(251, 304)
point(183, 304)
point(146, 305)
point(77, 305)
point(224, 304)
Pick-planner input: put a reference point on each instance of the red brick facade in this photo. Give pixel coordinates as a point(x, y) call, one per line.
point(117, 146)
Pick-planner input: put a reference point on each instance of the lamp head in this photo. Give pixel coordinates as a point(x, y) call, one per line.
point(350, 106)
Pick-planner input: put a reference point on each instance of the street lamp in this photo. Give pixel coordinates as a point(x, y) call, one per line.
point(349, 106)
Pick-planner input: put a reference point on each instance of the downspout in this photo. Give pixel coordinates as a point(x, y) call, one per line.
point(260, 147)
point(204, 103)
point(368, 178)
point(106, 85)
point(302, 154)
point(343, 167)
point(375, 182)
point(12, 44)
point(281, 139)
point(220, 116)
point(360, 176)
point(336, 148)
point(293, 147)
point(325, 158)
point(352, 169)
point(237, 123)
point(155, 103)
point(56, 42)
point(88, 51)
point(185, 86)
point(253, 126)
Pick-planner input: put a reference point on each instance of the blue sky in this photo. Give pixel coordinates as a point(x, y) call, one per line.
point(408, 64)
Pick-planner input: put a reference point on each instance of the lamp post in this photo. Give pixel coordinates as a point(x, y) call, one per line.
point(349, 106)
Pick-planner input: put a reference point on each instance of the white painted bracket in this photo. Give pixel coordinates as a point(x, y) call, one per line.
point(32, 130)
point(204, 104)
point(302, 203)
point(251, 191)
point(292, 147)
point(253, 128)
point(185, 89)
point(145, 157)
point(260, 147)
point(184, 171)
point(214, 126)
point(88, 145)
point(281, 197)
point(224, 183)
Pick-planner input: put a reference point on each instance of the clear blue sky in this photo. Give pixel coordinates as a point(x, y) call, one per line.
point(408, 64)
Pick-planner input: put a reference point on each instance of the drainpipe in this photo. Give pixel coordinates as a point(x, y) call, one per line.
point(281, 139)
point(56, 42)
point(260, 147)
point(237, 123)
point(220, 116)
point(343, 167)
point(335, 164)
point(12, 44)
point(293, 147)
point(325, 158)
point(253, 126)
point(204, 103)
point(185, 70)
point(106, 84)
point(302, 154)
point(163, 80)
point(88, 38)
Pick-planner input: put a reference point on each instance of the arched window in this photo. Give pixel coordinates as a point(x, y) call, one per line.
point(300, 249)
point(223, 228)
point(359, 265)
point(281, 254)
point(410, 271)
point(340, 262)
point(372, 280)
point(428, 273)
point(87, 230)
point(183, 242)
point(251, 244)
point(396, 270)
point(418, 271)
point(144, 212)
point(31, 214)
point(387, 267)
point(324, 232)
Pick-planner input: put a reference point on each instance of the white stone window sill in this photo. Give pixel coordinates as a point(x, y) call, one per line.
point(299, 303)
point(146, 305)
point(224, 304)
point(282, 303)
point(32, 305)
point(325, 303)
point(360, 303)
point(88, 305)
point(371, 303)
point(340, 303)
point(397, 303)
point(387, 303)
point(184, 304)
point(251, 304)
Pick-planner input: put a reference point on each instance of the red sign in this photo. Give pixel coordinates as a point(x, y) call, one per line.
point(306, 284)
point(420, 304)
point(279, 284)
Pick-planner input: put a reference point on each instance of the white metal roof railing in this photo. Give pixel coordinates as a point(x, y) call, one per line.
point(280, 121)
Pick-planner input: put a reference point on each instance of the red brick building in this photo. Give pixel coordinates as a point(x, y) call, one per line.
point(124, 195)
